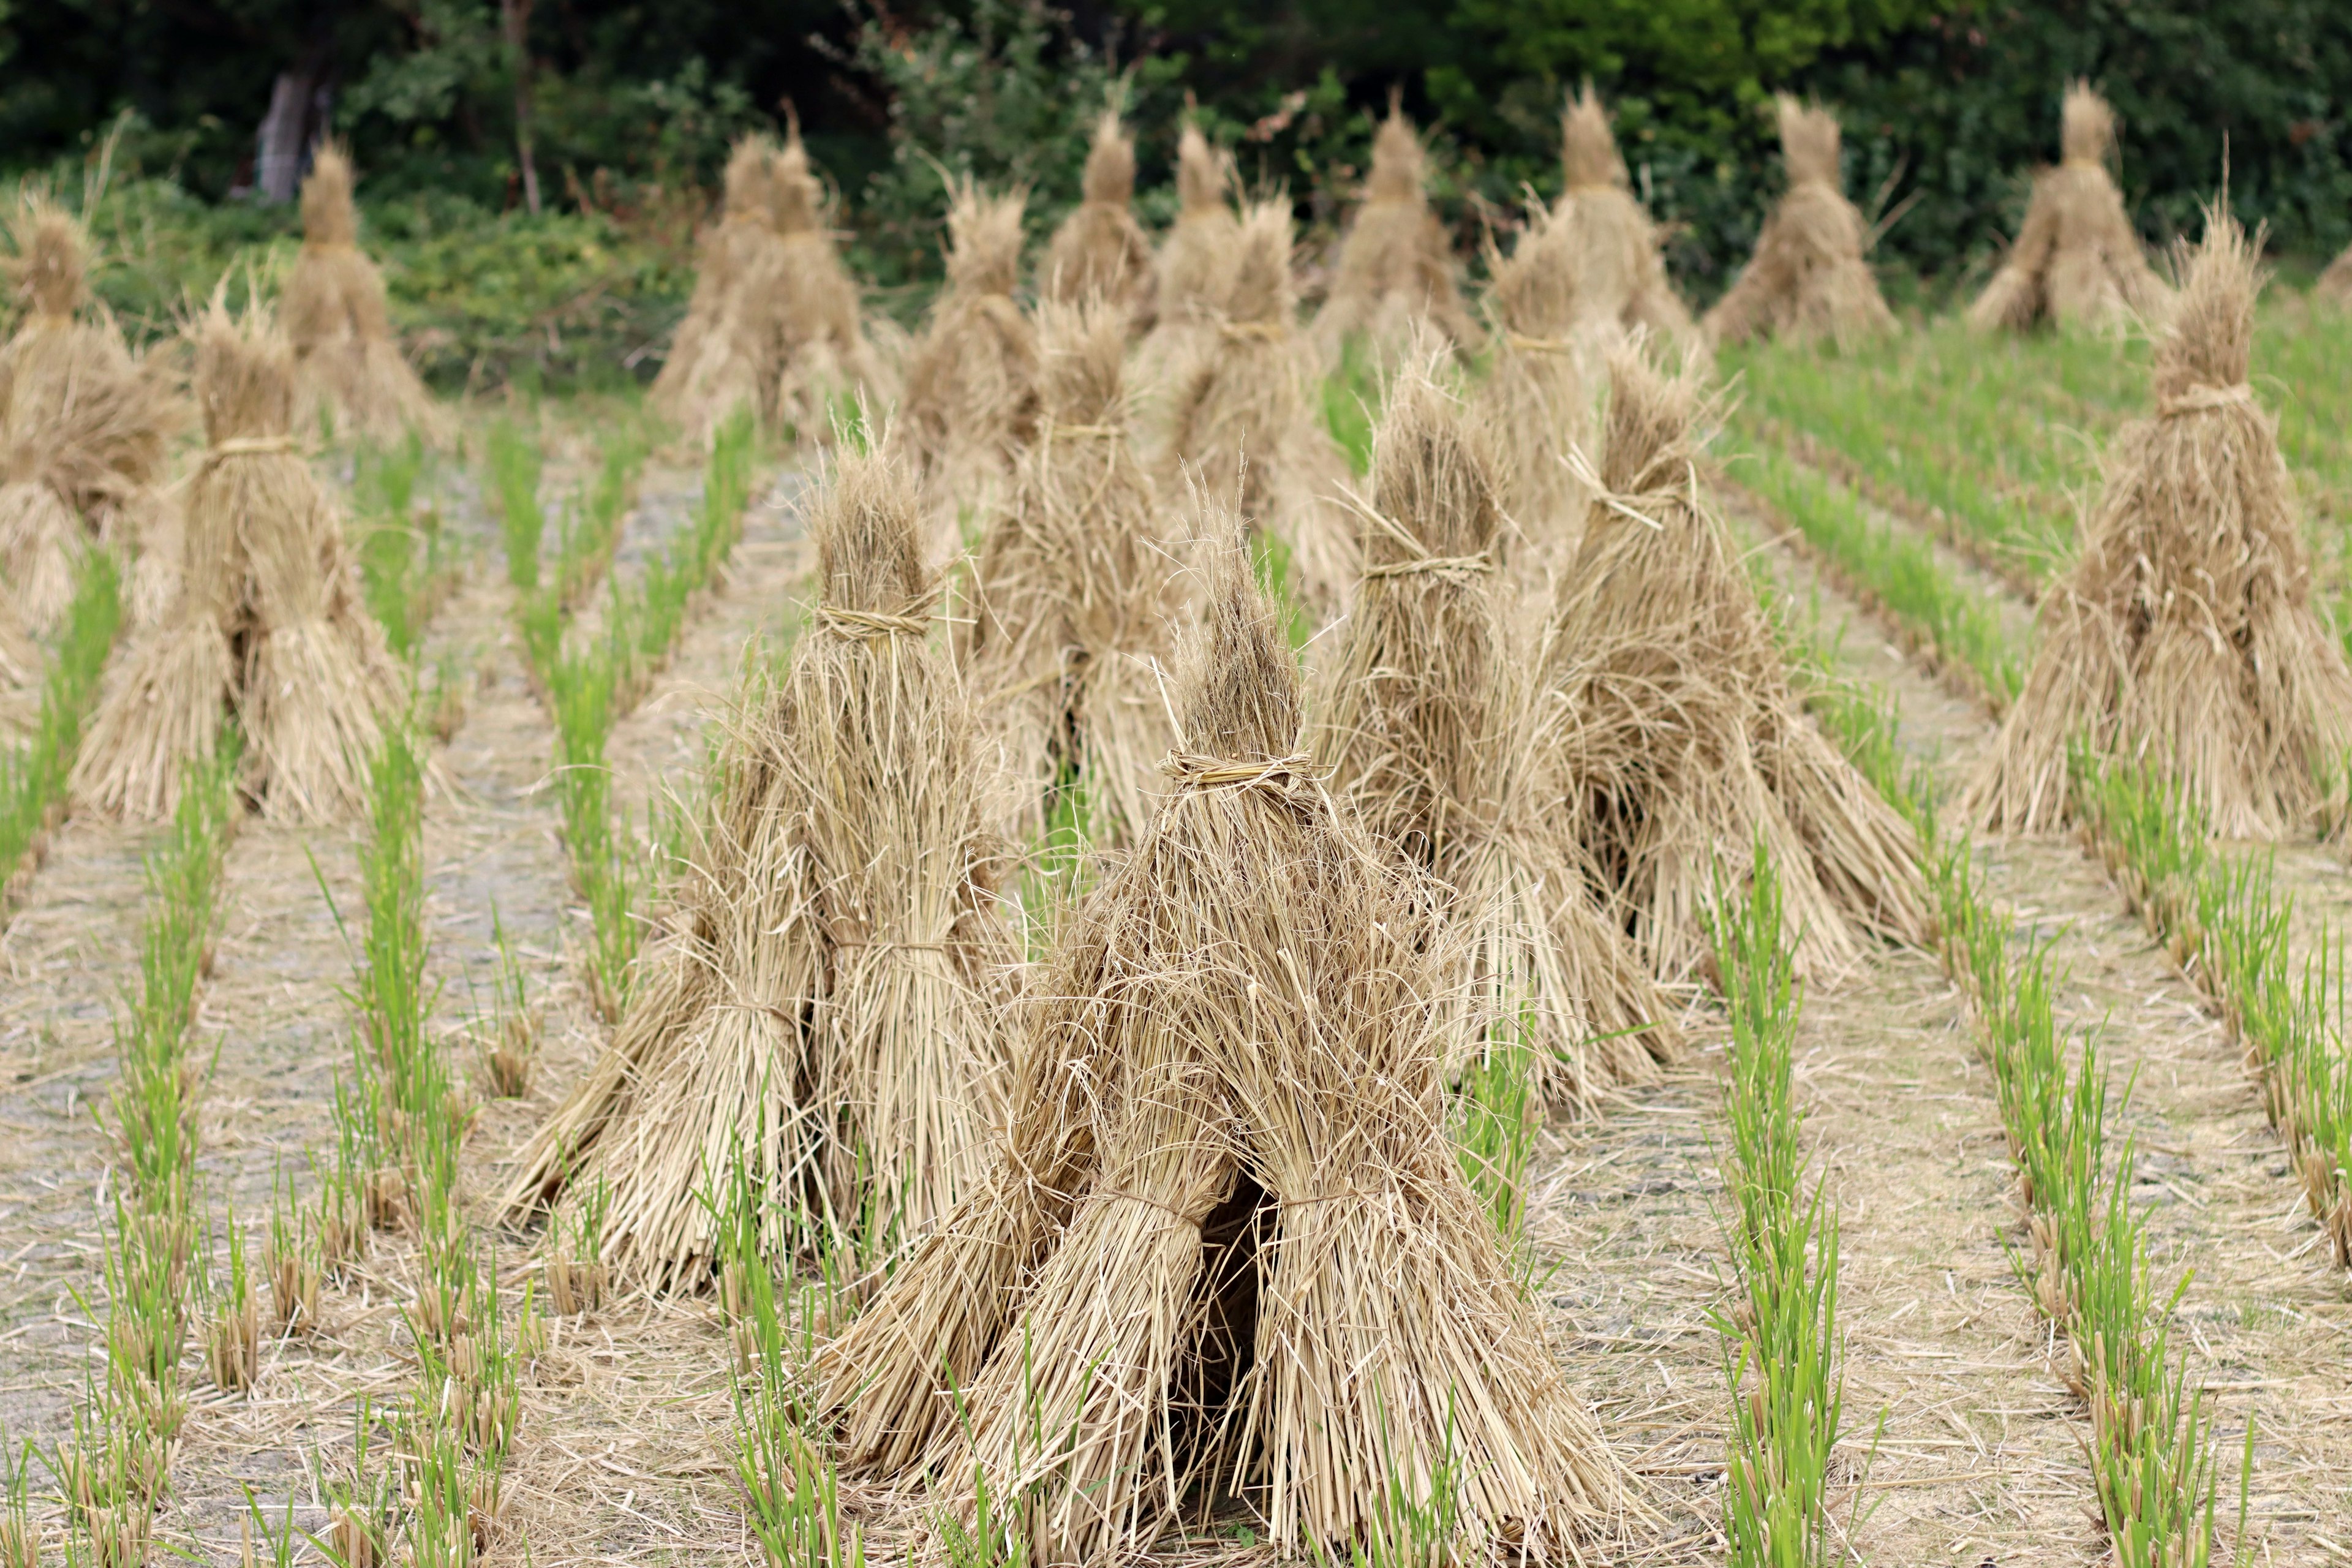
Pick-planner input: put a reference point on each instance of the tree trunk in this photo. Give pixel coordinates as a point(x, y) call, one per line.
point(516, 16)
point(278, 146)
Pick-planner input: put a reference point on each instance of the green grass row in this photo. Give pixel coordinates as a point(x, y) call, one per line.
point(32, 775)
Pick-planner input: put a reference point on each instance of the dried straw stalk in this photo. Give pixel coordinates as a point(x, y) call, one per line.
point(83, 423)
point(1680, 742)
point(1194, 272)
point(1226, 1249)
point(1243, 416)
point(2077, 261)
point(1608, 245)
point(1808, 279)
point(970, 401)
point(1071, 593)
point(1396, 268)
point(2335, 285)
point(1429, 721)
point(821, 999)
point(1534, 403)
point(717, 361)
point(2185, 635)
point(266, 623)
point(333, 312)
point(1099, 250)
point(808, 319)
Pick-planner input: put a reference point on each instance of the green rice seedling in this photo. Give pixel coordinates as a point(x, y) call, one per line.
point(1350, 398)
point(232, 1337)
point(515, 461)
point(1497, 1112)
point(590, 529)
point(263, 1543)
point(392, 579)
point(32, 775)
point(362, 1510)
point(20, 1538)
point(574, 1268)
point(509, 1039)
point(294, 1259)
point(441, 700)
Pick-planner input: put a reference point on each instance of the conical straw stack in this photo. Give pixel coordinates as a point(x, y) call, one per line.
point(335, 313)
point(1808, 280)
point(1395, 268)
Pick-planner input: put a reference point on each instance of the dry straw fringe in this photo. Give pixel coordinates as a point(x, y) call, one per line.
point(335, 313)
point(823, 1001)
point(807, 321)
point(83, 421)
point(2184, 636)
point(1808, 280)
point(2335, 285)
point(1680, 742)
point(2077, 261)
point(1533, 404)
point(1428, 719)
point(716, 363)
point(265, 625)
point(1099, 250)
point(1072, 587)
point(1244, 417)
point(1226, 1248)
point(1395, 268)
point(1193, 276)
point(971, 401)
point(1607, 248)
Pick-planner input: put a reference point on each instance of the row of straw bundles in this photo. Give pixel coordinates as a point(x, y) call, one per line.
point(265, 625)
point(2184, 634)
point(333, 312)
point(1099, 250)
point(1808, 279)
point(1395, 268)
point(84, 424)
point(823, 1002)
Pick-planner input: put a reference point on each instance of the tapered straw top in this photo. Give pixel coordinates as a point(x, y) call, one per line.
point(1110, 162)
point(52, 263)
point(1240, 699)
point(983, 239)
point(1809, 140)
point(2088, 132)
point(1588, 150)
point(328, 215)
point(244, 374)
point(867, 524)
point(1203, 175)
point(2206, 340)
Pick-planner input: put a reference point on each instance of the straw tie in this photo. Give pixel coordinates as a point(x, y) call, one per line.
point(1633, 504)
point(1085, 432)
point(1285, 776)
point(248, 447)
point(867, 624)
point(1519, 344)
point(1453, 568)
point(2199, 399)
point(1258, 332)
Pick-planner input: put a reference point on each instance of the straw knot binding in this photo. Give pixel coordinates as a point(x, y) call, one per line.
point(1458, 568)
point(248, 447)
point(1086, 432)
point(2199, 399)
point(1253, 331)
point(1283, 775)
point(1523, 345)
point(1633, 504)
point(867, 624)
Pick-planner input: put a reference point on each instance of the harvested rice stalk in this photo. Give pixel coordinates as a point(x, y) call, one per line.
point(1679, 742)
point(266, 623)
point(1808, 279)
point(717, 362)
point(821, 999)
point(1533, 403)
point(2077, 261)
point(2184, 636)
point(1395, 266)
point(1071, 591)
point(1609, 245)
point(1099, 249)
point(813, 325)
point(1243, 416)
point(1226, 1249)
point(970, 403)
point(1428, 721)
point(333, 312)
point(2335, 285)
point(1195, 267)
point(83, 423)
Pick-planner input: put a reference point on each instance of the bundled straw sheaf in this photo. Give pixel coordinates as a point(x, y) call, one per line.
point(1193, 274)
point(1808, 279)
point(2335, 285)
point(1681, 742)
point(1533, 401)
point(1430, 721)
point(1243, 416)
point(83, 421)
point(2184, 637)
point(266, 625)
point(808, 325)
point(2077, 261)
point(1607, 244)
point(820, 1003)
point(1071, 593)
point(1099, 250)
point(1226, 1249)
point(335, 313)
point(716, 361)
point(1396, 268)
point(970, 401)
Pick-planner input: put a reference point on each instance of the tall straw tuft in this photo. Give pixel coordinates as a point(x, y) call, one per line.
point(802, 314)
point(1534, 403)
point(329, 214)
point(2086, 131)
point(1588, 147)
point(1099, 249)
point(335, 315)
point(1808, 279)
point(2184, 636)
point(1608, 248)
point(1193, 274)
point(1810, 137)
point(1396, 265)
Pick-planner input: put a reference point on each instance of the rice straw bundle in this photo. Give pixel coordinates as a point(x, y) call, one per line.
point(2078, 260)
point(820, 1005)
point(1533, 403)
point(1070, 591)
point(1194, 272)
point(1099, 249)
point(718, 361)
point(1226, 1249)
point(810, 322)
point(83, 423)
point(1395, 266)
point(1608, 244)
point(1808, 279)
point(2335, 285)
point(1681, 744)
point(333, 310)
point(266, 623)
point(971, 401)
point(2184, 634)
point(1429, 722)
point(1242, 414)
